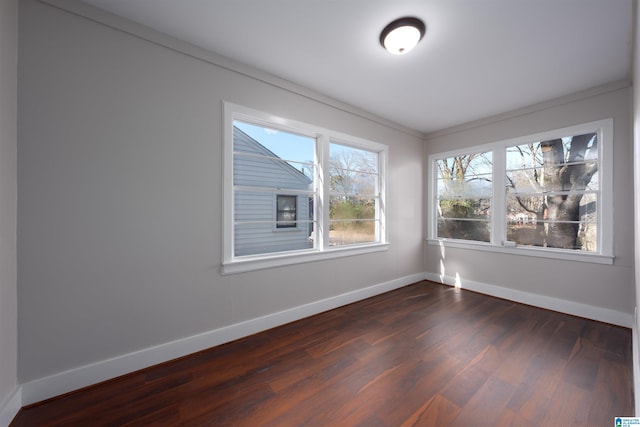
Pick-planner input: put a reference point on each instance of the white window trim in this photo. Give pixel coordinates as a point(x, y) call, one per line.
point(232, 264)
point(604, 130)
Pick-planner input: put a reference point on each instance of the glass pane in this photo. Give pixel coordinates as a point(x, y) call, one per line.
point(473, 186)
point(344, 158)
point(254, 206)
point(260, 150)
point(260, 238)
point(561, 164)
point(465, 189)
point(352, 170)
point(523, 181)
point(525, 208)
point(352, 207)
point(553, 221)
point(526, 156)
point(552, 193)
point(464, 229)
point(351, 182)
point(465, 167)
point(351, 232)
point(256, 230)
point(580, 236)
point(465, 208)
point(463, 181)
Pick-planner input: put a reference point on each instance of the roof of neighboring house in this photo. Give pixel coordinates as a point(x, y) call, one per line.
point(257, 148)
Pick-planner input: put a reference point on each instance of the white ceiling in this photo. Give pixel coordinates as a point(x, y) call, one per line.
point(478, 57)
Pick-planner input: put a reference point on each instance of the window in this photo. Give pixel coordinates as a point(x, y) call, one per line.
point(296, 192)
point(547, 194)
point(286, 208)
point(464, 185)
point(354, 195)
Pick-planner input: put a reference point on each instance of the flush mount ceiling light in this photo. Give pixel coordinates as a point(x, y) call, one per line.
point(402, 35)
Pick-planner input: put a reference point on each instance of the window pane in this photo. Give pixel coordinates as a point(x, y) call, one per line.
point(465, 189)
point(257, 238)
point(354, 183)
point(253, 206)
point(353, 159)
point(524, 209)
point(552, 193)
point(465, 208)
point(352, 220)
point(524, 157)
point(267, 162)
point(352, 170)
point(465, 167)
point(464, 229)
point(478, 185)
point(261, 145)
point(352, 232)
point(268, 158)
point(577, 236)
point(529, 223)
point(352, 207)
point(351, 182)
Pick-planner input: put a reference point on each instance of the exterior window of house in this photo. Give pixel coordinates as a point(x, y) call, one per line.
point(296, 192)
point(548, 194)
point(286, 211)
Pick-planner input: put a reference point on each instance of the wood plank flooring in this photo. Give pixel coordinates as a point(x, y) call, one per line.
point(422, 355)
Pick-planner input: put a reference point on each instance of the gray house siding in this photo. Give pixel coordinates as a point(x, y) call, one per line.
point(255, 230)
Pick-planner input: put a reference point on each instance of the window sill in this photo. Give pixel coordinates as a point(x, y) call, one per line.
point(259, 262)
point(525, 251)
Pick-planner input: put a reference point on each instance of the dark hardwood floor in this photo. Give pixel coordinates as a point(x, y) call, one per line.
point(423, 355)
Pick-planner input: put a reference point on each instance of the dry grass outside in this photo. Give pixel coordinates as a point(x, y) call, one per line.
point(350, 234)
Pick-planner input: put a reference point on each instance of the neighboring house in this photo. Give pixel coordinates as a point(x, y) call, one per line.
point(270, 214)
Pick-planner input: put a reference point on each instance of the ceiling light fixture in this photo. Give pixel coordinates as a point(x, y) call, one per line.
point(402, 35)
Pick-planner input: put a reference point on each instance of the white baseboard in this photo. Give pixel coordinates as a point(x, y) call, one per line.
point(564, 306)
point(10, 406)
point(63, 382)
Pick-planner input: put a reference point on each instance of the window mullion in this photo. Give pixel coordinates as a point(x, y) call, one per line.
point(499, 204)
point(322, 190)
point(382, 197)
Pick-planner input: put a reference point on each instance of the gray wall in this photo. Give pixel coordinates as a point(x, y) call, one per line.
point(636, 145)
point(8, 125)
point(604, 286)
point(120, 168)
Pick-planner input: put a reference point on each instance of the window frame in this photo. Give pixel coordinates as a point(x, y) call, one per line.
point(236, 264)
point(498, 237)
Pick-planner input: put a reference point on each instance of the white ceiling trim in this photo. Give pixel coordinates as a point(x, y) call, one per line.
point(135, 29)
point(574, 97)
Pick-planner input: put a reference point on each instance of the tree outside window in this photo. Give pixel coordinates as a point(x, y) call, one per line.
point(354, 196)
point(464, 197)
point(551, 191)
